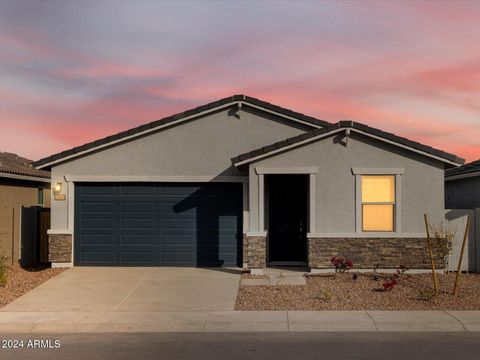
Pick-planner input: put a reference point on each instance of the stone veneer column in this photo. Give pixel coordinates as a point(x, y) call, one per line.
point(256, 252)
point(366, 253)
point(60, 248)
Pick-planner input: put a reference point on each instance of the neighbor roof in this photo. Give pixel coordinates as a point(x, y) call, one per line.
point(152, 126)
point(12, 165)
point(472, 168)
point(354, 126)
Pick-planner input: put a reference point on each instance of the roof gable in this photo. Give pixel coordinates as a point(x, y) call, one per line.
point(322, 133)
point(197, 112)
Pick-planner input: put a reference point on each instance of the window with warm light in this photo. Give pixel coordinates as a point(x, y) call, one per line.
point(378, 203)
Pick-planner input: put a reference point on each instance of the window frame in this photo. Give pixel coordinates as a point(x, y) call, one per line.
point(358, 173)
point(389, 203)
point(42, 192)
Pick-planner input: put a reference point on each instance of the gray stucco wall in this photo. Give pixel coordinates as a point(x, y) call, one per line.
point(200, 147)
point(422, 184)
point(463, 193)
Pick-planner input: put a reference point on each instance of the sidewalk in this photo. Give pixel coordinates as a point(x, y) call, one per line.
point(240, 321)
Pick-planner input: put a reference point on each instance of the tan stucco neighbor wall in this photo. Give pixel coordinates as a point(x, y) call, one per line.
point(14, 195)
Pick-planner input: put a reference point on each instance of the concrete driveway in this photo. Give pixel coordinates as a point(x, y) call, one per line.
point(102, 289)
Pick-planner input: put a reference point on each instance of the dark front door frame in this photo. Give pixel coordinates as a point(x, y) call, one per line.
point(287, 215)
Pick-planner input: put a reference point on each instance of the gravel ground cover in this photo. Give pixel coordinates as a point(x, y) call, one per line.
point(22, 280)
point(341, 292)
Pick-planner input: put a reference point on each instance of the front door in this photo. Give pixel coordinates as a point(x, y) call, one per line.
point(287, 218)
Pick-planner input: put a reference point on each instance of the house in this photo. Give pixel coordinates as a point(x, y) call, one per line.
point(240, 180)
point(462, 186)
point(20, 185)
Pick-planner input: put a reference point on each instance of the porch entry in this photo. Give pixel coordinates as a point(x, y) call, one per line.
point(287, 218)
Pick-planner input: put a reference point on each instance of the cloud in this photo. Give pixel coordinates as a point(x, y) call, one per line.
point(72, 72)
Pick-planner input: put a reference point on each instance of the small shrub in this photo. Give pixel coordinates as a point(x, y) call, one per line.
point(426, 295)
point(3, 270)
point(341, 263)
point(324, 296)
point(392, 282)
point(443, 241)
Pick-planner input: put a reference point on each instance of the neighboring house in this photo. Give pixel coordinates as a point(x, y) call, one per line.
point(462, 186)
point(240, 180)
point(20, 185)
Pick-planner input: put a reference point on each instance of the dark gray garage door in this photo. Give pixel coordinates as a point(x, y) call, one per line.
point(148, 224)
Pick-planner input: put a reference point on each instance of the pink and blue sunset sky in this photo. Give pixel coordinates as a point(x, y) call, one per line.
point(72, 72)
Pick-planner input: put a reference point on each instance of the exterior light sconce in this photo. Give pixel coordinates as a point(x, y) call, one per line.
point(57, 189)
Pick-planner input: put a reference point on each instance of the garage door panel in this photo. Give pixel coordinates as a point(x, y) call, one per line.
point(138, 207)
point(97, 189)
point(137, 224)
point(158, 224)
point(98, 207)
point(137, 190)
point(96, 223)
point(180, 239)
point(98, 257)
point(136, 240)
point(97, 239)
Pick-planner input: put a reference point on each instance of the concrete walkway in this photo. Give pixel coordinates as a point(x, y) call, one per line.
point(238, 321)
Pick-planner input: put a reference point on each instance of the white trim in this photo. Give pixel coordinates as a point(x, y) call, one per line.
point(286, 170)
point(358, 204)
point(24, 177)
point(327, 134)
point(246, 211)
point(59, 232)
point(281, 115)
point(71, 208)
point(62, 265)
point(261, 203)
point(367, 235)
point(172, 123)
point(285, 148)
point(398, 203)
point(155, 178)
point(312, 202)
point(378, 171)
point(462, 176)
point(257, 233)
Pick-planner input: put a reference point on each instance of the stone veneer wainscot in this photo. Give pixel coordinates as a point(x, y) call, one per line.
point(60, 248)
point(366, 253)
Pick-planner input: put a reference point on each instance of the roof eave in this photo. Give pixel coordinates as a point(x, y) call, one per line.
point(47, 162)
point(341, 126)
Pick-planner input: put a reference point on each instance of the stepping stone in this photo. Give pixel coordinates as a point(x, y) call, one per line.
point(255, 282)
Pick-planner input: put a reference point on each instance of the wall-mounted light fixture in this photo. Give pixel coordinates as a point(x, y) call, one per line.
point(57, 189)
